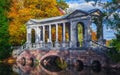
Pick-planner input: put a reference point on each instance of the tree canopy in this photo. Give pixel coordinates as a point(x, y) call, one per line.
point(113, 19)
point(23, 10)
point(4, 35)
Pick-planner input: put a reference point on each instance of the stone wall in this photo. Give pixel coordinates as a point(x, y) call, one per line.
point(70, 56)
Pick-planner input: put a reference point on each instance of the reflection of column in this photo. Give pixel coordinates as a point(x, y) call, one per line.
point(50, 33)
point(56, 33)
point(43, 33)
point(63, 32)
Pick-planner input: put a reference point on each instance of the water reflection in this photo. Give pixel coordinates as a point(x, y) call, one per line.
point(49, 63)
point(6, 69)
point(37, 69)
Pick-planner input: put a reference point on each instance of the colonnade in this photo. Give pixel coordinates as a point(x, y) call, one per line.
point(40, 33)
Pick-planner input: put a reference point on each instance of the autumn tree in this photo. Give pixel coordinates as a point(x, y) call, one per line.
point(60, 33)
point(62, 4)
point(94, 36)
point(23, 10)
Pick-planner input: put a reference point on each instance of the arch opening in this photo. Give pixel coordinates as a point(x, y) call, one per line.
point(33, 36)
point(53, 63)
point(80, 34)
point(96, 66)
point(46, 34)
point(79, 65)
point(93, 28)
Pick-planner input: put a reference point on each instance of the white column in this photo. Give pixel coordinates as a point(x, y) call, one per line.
point(43, 33)
point(50, 34)
point(63, 32)
point(39, 34)
point(56, 32)
point(36, 35)
point(73, 34)
point(28, 37)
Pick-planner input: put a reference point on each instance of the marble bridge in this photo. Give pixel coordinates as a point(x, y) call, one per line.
point(43, 37)
point(42, 42)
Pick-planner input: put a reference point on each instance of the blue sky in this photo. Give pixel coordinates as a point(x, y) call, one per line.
point(84, 0)
point(77, 4)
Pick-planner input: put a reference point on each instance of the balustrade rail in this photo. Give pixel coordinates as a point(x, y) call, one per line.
point(100, 47)
point(49, 45)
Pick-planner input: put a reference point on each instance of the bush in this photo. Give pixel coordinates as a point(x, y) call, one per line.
point(114, 54)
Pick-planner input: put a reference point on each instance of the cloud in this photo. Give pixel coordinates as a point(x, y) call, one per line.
point(75, 1)
point(83, 6)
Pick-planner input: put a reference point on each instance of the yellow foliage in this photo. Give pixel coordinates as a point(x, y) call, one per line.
point(94, 36)
point(54, 34)
point(23, 10)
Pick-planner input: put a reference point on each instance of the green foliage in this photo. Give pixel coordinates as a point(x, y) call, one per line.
point(116, 43)
point(62, 4)
point(4, 35)
point(61, 63)
point(80, 34)
point(114, 22)
point(115, 55)
point(113, 19)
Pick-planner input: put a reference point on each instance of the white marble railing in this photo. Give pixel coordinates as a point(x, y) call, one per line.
point(42, 45)
point(98, 46)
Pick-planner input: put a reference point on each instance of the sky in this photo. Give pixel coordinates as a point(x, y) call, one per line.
point(79, 1)
point(77, 4)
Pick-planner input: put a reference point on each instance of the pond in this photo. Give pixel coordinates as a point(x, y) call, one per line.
point(17, 69)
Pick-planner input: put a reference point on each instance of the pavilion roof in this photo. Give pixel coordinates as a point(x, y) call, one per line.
point(91, 12)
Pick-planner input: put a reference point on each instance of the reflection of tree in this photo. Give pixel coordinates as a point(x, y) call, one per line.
point(50, 64)
point(6, 69)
